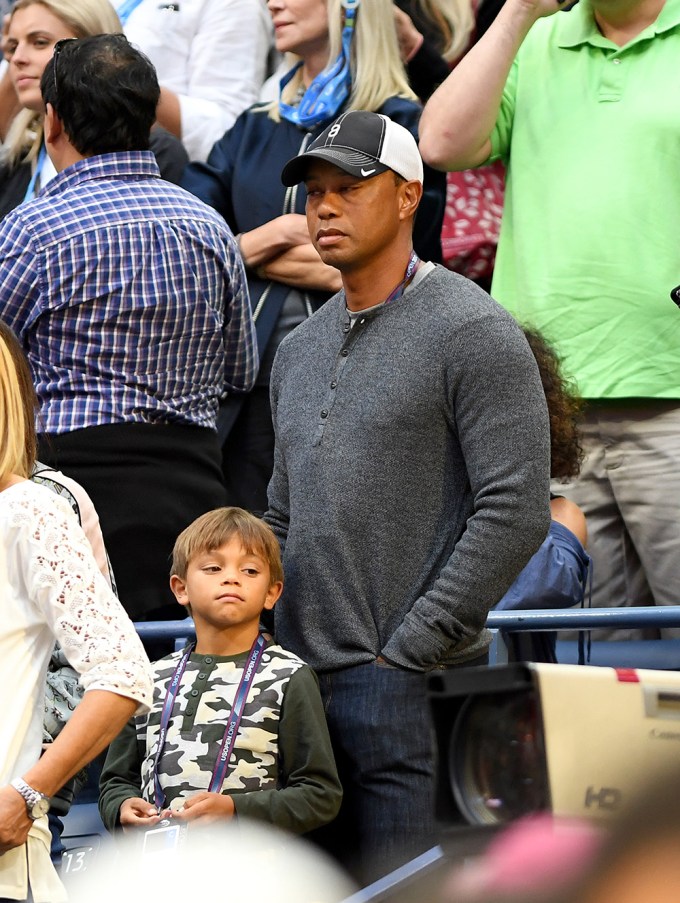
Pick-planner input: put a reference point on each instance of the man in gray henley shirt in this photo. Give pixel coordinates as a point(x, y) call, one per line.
point(411, 480)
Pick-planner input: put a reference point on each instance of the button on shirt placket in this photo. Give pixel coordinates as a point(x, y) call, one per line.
point(612, 81)
point(193, 696)
point(351, 335)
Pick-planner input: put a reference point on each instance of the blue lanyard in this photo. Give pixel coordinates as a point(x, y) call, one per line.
point(126, 9)
point(30, 191)
point(411, 268)
point(231, 730)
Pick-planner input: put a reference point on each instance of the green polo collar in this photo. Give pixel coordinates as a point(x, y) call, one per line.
point(579, 26)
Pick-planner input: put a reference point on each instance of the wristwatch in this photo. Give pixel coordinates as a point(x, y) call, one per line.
point(37, 804)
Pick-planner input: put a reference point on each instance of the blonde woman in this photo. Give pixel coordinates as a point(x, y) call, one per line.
point(335, 61)
point(433, 35)
point(33, 28)
point(50, 588)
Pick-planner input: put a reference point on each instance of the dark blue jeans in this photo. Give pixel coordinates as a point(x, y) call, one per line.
point(383, 738)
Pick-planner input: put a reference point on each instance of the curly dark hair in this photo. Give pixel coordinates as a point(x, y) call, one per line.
point(564, 408)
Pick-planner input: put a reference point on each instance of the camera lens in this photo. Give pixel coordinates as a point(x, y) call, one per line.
point(497, 765)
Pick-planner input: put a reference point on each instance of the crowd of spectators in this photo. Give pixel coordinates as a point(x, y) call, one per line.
point(155, 262)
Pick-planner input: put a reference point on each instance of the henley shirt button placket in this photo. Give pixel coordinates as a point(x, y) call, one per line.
point(334, 385)
point(344, 352)
point(324, 414)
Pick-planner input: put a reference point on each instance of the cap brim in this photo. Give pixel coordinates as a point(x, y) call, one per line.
point(359, 165)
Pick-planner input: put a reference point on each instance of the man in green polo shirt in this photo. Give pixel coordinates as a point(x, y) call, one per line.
point(584, 107)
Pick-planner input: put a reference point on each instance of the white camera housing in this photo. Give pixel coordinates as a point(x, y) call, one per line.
point(575, 740)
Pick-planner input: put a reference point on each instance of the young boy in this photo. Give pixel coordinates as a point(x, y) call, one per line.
point(241, 722)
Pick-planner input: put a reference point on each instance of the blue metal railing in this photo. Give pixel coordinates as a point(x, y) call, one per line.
point(586, 618)
point(165, 630)
point(662, 654)
point(534, 619)
point(501, 621)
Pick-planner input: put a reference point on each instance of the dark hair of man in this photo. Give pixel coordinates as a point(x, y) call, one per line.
point(104, 91)
point(564, 408)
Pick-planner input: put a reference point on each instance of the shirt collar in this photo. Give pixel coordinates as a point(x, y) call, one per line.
point(124, 164)
point(580, 27)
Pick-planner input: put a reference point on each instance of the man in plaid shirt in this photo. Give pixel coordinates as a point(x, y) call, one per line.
point(130, 299)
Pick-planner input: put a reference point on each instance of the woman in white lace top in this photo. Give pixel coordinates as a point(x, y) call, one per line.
point(50, 588)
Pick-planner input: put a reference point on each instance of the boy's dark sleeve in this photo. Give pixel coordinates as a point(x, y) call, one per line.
point(121, 777)
point(310, 793)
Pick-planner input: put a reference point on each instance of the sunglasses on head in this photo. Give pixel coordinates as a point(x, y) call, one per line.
point(58, 47)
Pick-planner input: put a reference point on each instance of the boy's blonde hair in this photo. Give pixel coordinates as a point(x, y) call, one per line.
point(215, 528)
point(17, 409)
point(84, 18)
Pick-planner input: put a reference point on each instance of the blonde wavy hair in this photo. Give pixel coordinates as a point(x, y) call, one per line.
point(84, 18)
point(454, 19)
point(375, 64)
point(17, 409)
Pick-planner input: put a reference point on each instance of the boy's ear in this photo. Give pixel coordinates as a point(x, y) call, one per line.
point(179, 588)
point(273, 594)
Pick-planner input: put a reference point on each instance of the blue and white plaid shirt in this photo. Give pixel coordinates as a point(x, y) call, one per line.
point(129, 296)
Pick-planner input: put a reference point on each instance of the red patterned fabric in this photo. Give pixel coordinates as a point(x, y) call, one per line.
point(472, 220)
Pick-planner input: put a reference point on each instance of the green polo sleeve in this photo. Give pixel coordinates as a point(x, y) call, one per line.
point(502, 131)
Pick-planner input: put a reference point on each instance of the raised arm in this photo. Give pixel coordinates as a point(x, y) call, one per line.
point(458, 119)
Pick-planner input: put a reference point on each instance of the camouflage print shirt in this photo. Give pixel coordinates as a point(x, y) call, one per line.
point(281, 769)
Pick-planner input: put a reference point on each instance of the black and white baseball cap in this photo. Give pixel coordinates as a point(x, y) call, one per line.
point(362, 144)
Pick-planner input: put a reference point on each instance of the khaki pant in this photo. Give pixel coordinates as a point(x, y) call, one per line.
point(629, 490)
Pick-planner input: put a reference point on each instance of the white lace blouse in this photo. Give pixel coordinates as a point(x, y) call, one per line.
point(51, 588)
